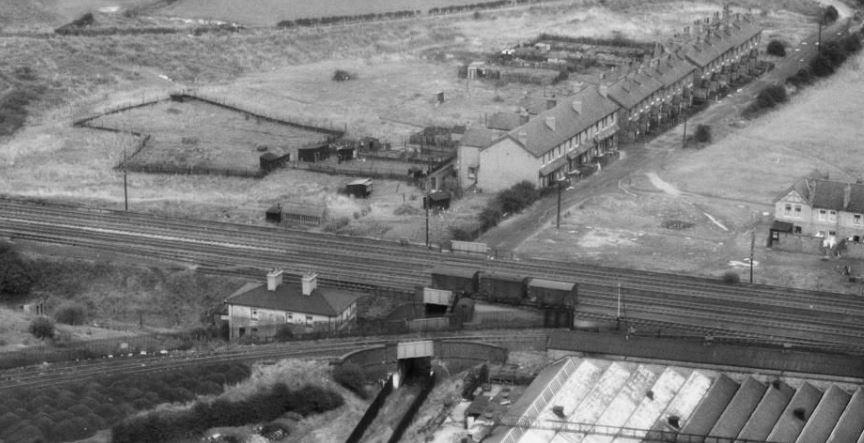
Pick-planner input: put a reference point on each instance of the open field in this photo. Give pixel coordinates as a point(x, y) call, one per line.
point(194, 133)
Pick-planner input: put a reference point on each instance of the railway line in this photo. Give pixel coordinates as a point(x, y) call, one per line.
point(57, 374)
point(773, 314)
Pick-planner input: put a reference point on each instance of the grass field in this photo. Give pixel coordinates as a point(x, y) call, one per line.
point(193, 133)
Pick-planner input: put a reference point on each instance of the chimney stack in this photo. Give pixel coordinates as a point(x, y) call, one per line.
point(550, 122)
point(309, 282)
point(577, 106)
point(847, 195)
point(523, 138)
point(550, 103)
point(274, 279)
point(603, 89)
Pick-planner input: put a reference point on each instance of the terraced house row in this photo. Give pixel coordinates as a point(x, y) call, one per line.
point(576, 135)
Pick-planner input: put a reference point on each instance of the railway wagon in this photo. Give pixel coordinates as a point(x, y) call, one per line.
point(551, 293)
point(502, 288)
point(456, 279)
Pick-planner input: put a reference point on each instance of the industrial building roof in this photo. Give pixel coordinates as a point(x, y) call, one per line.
point(569, 117)
point(289, 297)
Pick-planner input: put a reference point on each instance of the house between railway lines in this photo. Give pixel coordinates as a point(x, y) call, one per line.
point(261, 310)
point(573, 135)
point(830, 211)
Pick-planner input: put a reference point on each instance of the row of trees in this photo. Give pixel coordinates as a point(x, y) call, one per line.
point(338, 19)
point(260, 407)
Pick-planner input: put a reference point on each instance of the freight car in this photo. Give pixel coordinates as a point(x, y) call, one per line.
point(511, 289)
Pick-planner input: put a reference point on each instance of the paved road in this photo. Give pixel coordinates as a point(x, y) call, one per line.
point(653, 154)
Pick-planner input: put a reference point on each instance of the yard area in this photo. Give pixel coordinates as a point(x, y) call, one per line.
point(194, 133)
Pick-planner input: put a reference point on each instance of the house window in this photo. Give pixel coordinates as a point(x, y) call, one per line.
point(289, 315)
point(797, 229)
point(823, 215)
point(832, 216)
point(856, 218)
point(254, 314)
point(787, 210)
point(832, 232)
point(797, 210)
point(472, 173)
point(308, 319)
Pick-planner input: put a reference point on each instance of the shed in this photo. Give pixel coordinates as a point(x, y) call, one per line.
point(360, 188)
point(552, 293)
point(268, 161)
point(313, 154)
point(345, 152)
point(437, 200)
point(310, 214)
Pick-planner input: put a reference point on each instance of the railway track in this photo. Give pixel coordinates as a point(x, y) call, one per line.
point(57, 374)
point(774, 314)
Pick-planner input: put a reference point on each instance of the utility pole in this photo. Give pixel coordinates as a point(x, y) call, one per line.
point(558, 217)
point(125, 185)
point(819, 42)
point(684, 137)
point(618, 315)
point(752, 245)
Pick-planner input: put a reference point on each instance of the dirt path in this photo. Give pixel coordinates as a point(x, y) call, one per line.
point(649, 157)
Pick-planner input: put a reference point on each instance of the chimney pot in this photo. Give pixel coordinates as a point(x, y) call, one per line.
point(550, 122)
point(603, 90)
point(274, 279)
point(309, 283)
point(523, 138)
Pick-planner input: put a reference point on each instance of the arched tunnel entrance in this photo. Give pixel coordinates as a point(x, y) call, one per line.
point(413, 362)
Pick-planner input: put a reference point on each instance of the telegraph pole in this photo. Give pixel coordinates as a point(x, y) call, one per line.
point(684, 137)
point(125, 185)
point(819, 42)
point(752, 245)
point(558, 217)
point(618, 315)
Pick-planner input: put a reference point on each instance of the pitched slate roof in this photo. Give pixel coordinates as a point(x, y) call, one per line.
point(505, 121)
point(719, 41)
point(633, 88)
point(289, 297)
point(670, 69)
point(480, 137)
point(541, 135)
point(832, 195)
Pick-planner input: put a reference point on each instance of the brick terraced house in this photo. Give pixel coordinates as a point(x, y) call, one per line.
point(820, 208)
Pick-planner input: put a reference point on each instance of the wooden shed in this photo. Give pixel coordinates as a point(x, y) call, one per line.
point(309, 214)
point(360, 188)
point(437, 200)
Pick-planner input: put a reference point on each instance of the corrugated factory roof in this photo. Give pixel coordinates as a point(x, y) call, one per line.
point(557, 125)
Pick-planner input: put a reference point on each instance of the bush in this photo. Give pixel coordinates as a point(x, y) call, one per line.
point(283, 333)
point(352, 377)
point(703, 133)
point(802, 77)
point(42, 328)
point(730, 277)
point(462, 233)
point(771, 96)
point(776, 47)
point(835, 53)
point(830, 15)
point(83, 21)
point(851, 44)
point(70, 314)
point(821, 66)
point(490, 216)
point(342, 75)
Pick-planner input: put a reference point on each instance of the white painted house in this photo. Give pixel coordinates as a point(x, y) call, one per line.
point(261, 309)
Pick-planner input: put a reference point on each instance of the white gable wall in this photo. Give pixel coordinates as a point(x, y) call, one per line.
point(504, 164)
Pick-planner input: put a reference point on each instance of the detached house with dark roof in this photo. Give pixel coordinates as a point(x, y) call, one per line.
point(260, 309)
point(820, 208)
point(545, 149)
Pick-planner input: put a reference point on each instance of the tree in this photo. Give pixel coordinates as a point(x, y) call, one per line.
point(42, 327)
point(703, 133)
point(16, 277)
point(70, 314)
point(821, 66)
point(730, 277)
point(776, 47)
point(283, 333)
point(830, 15)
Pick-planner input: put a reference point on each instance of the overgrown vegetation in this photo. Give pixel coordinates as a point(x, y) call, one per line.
point(16, 275)
point(71, 313)
point(352, 377)
point(341, 75)
point(830, 15)
point(42, 328)
point(832, 55)
point(13, 110)
point(76, 411)
point(776, 47)
point(506, 202)
point(768, 98)
point(730, 278)
point(260, 407)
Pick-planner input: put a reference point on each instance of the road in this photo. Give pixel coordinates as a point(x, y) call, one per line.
point(653, 154)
